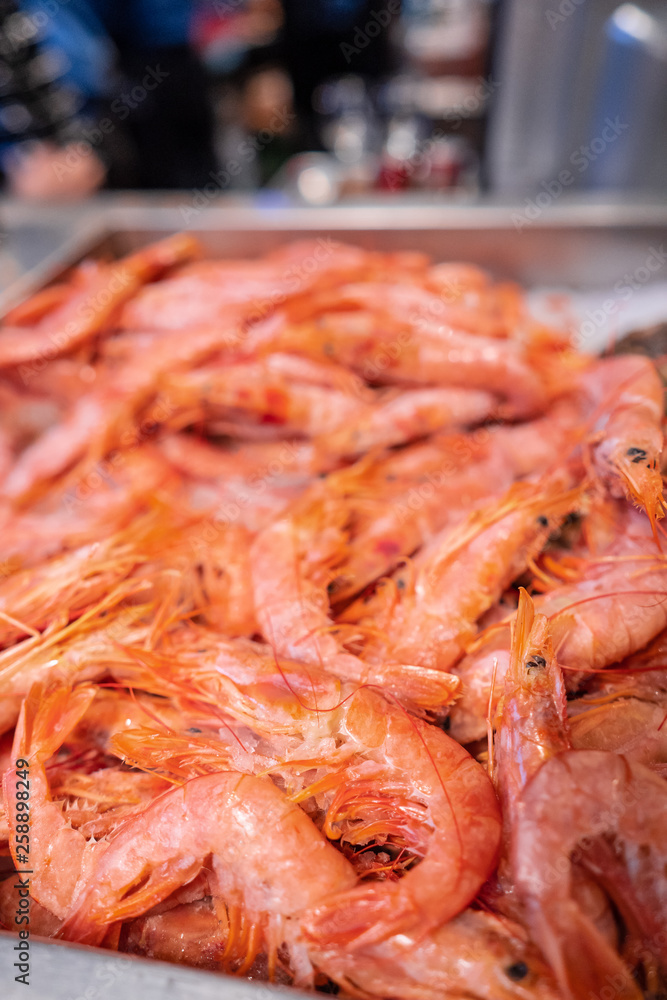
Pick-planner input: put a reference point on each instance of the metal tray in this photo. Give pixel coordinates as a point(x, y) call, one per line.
point(584, 247)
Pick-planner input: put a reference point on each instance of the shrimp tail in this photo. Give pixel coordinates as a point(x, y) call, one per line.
point(356, 920)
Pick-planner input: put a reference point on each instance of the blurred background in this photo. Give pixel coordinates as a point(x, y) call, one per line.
point(317, 101)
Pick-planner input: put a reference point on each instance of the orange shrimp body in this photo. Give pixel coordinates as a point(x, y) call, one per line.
point(627, 458)
point(64, 853)
point(422, 765)
point(617, 606)
point(224, 817)
point(414, 414)
point(628, 726)
point(466, 574)
point(264, 526)
point(532, 723)
point(475, 955)
point(595, 796)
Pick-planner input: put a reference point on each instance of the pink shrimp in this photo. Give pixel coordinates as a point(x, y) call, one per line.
point(223, 817)
point(625, 586)
point(424, 488)
point(573, 806)
point(260, 392)
point(475, 955)
point(432, 357)
point(629, 393)
point(293, 560)
point(389, 774)
point(110, 414)
point(626, 725)
point(418, 764)
point(413, 414)
point(86, 311)
point(532, 723)
point(466, 572)
point(64, 854)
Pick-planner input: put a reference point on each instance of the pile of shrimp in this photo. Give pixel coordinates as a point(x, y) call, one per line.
point(333, 628)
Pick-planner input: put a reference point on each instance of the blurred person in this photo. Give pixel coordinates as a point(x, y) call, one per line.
point(164, 105)
point(42, 118)
point(99, 92)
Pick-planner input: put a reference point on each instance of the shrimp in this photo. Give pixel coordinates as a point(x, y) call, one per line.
point(260, 392)
point(626, 586)
point(285, 462)
point(466, 572)
point(72, 516)
point(108, 416)
point(67, 584)
point(208, 290)
point(627, 726)
point(64, 854)
point(413, 414)
point(82, 650)
point(475, 955)
point(218, 821)
point(419, 766)
point(98, 802)
point(532, 723)
point(192, 932)
point(292, 561)
point(290, 566)
point(627, 457)
point(425, 488)
point(573, 806)
point(434, 356)
point(32, 309)
point(390, 774)
point(83, 314)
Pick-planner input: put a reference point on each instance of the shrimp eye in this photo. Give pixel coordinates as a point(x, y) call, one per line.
point(543, 521)
point(639, 454)
point(536, 663)
point(517, 971)
point(193, 729)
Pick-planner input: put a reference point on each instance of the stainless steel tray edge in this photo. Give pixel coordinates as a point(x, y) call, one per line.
point(61, 971)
